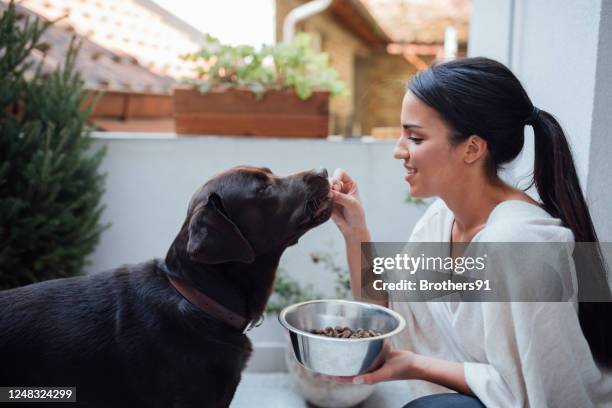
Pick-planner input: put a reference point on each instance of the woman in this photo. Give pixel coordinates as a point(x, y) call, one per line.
point(462, 120)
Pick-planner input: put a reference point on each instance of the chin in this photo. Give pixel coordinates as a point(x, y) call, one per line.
point(416, 193)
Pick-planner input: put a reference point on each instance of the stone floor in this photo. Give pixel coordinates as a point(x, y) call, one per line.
point(276, 390)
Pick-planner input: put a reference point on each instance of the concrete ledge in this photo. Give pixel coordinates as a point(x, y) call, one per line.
point(267, 357)
point(276, 390)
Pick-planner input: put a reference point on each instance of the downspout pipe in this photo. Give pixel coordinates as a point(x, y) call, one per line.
point(301, 13)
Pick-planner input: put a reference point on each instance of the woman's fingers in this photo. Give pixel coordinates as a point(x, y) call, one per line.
point(341, 181)
point(343, 176)
point(342, 199)
point(347, 212)
point(383, 374)
point(336, 184)
point(346, 380)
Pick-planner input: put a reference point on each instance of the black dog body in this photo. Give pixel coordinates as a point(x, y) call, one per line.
point(121, 342)
point(128, 338)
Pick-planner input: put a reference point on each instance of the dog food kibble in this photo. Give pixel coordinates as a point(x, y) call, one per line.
point(345, 332)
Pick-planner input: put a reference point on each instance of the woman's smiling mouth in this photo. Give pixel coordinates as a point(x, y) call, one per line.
point(410, 172)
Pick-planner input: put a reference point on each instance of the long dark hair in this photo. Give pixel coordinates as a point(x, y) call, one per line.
point(479, 96)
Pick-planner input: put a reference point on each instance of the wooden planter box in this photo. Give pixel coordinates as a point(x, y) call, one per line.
point(239, 113)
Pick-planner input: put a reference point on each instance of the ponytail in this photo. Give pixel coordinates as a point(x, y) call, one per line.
point(559, 189)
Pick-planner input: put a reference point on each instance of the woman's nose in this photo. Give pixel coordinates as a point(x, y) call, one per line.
point(401, 149)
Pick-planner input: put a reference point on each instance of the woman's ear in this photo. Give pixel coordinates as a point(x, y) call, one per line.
point(475, 149)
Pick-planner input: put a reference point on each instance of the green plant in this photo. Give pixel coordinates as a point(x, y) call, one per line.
point(288, 291)
point(50, 188)
point(291, 65)
point(342, 281)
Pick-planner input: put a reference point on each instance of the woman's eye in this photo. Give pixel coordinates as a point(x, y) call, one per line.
point(416, 140)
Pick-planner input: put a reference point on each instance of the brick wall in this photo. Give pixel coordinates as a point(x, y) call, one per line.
point(383, 90)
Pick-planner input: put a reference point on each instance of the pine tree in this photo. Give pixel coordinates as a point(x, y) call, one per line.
point(50, 185)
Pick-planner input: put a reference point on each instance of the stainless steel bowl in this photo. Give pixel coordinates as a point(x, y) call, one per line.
point(335, 356)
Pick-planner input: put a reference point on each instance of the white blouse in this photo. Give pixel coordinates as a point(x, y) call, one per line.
point(515, 354)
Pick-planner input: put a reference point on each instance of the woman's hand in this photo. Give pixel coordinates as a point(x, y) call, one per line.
point(406, 365)
point(347, 212)
point(397, 365)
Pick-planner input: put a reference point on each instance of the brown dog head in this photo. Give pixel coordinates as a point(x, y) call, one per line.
point(248, 211)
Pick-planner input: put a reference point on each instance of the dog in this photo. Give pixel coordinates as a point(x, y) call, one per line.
point(166, 333)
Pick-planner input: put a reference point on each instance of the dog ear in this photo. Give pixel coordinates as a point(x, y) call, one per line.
point(214, 238)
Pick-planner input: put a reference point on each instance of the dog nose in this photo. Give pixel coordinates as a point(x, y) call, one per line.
point(321, 172)
point(315, 175)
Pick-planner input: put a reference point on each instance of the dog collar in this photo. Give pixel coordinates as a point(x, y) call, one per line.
point(210, 306)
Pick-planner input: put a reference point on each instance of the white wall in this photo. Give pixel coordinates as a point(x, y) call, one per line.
point(491, 29)
point(560, 50)
point(600, 160)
